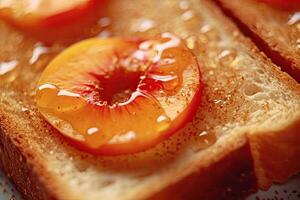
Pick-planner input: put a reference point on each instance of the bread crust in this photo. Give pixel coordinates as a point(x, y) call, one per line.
point(242, 156)
point(251, 22)
point(256, 163)
point(276, 154)
point(230, 178)
point(18, 162)
point(227, 174)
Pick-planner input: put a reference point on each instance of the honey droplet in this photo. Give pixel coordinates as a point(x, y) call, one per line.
point(205, 29)
point(210, 32)
point(294, 19)
point(187, 15)
point(163, 122)
point(9, 71)
point(6, 67)
point(191, 42)
point(172, 42)
point(205, 139)
point(38, 51)
point(24, 109)
point(65, 100)
point(143, 25)
point(226, 57)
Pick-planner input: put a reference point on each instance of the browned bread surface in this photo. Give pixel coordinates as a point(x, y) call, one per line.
point(249, 105)
point(275, 31)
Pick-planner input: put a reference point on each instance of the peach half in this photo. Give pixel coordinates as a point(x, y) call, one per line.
point(284, 4)
point(52, 20)
point(118, 96)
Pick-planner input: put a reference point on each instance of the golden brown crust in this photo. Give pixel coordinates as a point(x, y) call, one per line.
point(276, 154)
point(18, 163)
point(230, 178)
point(278, 39)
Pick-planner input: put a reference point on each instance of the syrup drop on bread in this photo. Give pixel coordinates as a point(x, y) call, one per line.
point(7, 67)
point(226, 57)
point(204, 139)
point(187, 15)
point(294, 18)
point(143, 25)
point(38, 51)
point(8, 71)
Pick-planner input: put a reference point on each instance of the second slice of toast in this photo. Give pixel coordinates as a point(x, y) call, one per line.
point(248, 121)
point(274, 30)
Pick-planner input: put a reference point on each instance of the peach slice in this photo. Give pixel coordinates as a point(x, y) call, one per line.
point(284, 4)
point(51, 20)
point(118, 96)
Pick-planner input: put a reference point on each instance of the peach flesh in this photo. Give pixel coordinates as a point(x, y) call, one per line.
point(56, 21)
point(123, 105)
point(284, 4)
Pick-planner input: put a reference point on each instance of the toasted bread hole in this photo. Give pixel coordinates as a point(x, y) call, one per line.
point(252, 89)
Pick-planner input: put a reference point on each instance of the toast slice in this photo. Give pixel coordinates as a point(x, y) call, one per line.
point(247, 126)
point(275, 31)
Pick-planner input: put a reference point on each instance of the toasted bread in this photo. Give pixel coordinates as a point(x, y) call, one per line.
point(275, 31)
point(246, 128)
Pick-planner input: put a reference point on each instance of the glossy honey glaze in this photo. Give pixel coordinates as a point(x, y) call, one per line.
point(108, 92)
